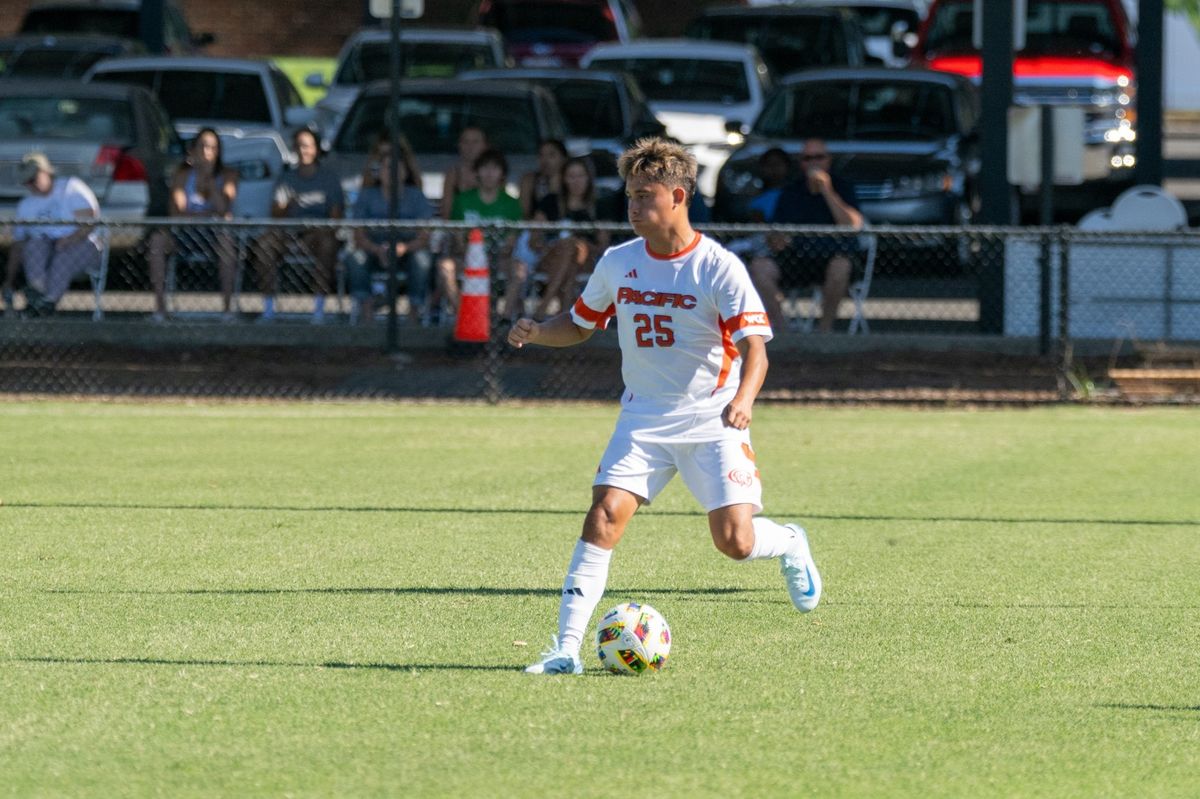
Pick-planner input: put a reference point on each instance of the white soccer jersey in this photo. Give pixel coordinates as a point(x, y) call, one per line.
point(678, 319)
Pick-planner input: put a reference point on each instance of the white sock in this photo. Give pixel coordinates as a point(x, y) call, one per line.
point(586, 577)
point(771, 539)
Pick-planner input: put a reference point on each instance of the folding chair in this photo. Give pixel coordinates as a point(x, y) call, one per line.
point(99, 274)
point(858, 291)
point(197, 258)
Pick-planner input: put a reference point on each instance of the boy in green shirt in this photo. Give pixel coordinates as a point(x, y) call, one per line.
point(487, 203)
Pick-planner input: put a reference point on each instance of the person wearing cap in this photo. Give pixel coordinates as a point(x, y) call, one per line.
point(51, 255)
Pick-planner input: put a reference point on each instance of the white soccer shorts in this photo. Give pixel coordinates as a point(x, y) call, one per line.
point(718, 473)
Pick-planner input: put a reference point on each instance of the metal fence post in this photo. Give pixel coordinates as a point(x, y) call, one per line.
point(1065, 348)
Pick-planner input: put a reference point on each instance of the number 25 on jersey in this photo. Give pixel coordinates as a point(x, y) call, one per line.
point(653, 331)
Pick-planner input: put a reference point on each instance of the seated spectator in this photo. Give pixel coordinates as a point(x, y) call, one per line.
point(460, 177)
point(412, 247)
point(546, 180)
point(50, 255)
point(774, 166)
point(574, 253)
point(818, 198)
point(307, 192)
point(201, 188)
point(490, 202)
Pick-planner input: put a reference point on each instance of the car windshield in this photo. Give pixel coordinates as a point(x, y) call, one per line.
point(551, 22)
point(432, 122)
point(878, 20)
point(787, 42)
point(592, 109)
point(107, 21)
point(234, 96)
point(90, 118)
point(372, 60)
point(1051, 28)
point(685, 80)
point(874, 110)
point(47, 62)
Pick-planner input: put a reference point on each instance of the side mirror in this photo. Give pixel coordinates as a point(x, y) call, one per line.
point(315, 80)
point(297, 116)
point(736, 126)
point(902, 39)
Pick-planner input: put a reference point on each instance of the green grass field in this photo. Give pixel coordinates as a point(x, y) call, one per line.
point(337, 600)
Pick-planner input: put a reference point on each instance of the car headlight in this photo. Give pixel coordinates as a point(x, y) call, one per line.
point(939, 182)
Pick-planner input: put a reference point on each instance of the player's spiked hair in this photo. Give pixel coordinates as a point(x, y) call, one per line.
point(662, 162)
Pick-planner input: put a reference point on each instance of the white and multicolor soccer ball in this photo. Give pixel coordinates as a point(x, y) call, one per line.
point(633, 639)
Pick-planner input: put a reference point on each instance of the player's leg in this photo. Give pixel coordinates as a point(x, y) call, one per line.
point(587, 576)
point(724, 477)
point(630, 474)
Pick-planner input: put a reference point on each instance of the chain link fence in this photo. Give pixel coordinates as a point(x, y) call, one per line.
point(266, 308)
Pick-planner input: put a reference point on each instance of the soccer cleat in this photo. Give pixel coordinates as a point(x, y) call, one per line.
point(800, 572)
point(556, 661)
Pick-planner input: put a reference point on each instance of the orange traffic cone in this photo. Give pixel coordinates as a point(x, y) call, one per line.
point(474, 311)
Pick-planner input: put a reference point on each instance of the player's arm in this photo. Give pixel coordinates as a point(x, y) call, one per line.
point(753, 350)
point(557, 331)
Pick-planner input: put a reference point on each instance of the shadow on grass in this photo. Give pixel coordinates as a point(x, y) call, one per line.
point(331, 664)
point(867, 603)
point(1125, 706)
point(407, 590)
point(848, 517)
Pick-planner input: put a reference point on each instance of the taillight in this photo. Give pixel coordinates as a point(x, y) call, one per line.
point(121, 166)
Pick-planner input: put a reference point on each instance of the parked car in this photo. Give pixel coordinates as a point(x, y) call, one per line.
point(889, 26)
point(607, 109)
point(117, 139)
point(424, 53)
point(907, 139)
point(225, 93)
point(120, 18)
point(553, 33)
point(696, 89)
point(59, 55)
point(789, 37)
point(259, 157)
point(1077, 52)
point(433, 112)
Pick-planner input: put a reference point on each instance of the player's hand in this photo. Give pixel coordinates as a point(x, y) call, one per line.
point(737, 415)
point(522, 332)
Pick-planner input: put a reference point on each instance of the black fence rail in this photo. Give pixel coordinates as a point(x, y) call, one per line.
point(273, 308)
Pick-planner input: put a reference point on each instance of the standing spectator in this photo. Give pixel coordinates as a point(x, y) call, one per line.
point(50, 255)
point(412, 247)
point(488, 203)
point(309, 191)
point(818, 198)
point(574, 254)
point(201, 188)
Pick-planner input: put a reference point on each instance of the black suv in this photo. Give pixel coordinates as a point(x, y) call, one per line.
point(119, 18)
point(789, 38)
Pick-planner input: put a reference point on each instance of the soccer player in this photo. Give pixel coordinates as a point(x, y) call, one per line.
point(693, 336)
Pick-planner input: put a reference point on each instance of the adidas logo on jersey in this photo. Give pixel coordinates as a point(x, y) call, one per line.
point(631, 273)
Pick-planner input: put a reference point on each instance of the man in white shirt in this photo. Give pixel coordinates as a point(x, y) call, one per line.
point(693, 335)
point(51, 255)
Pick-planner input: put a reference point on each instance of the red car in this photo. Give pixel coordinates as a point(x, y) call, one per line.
point(554, 33)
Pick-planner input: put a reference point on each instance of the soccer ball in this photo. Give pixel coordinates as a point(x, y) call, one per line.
point(633, 639)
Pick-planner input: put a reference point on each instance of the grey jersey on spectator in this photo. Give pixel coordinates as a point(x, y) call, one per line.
point(372, 204)
point(314, 197)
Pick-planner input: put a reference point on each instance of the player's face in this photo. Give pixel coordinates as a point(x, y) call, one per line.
point(652, 206)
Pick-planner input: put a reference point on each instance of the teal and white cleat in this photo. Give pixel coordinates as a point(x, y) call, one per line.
point(556, 661)
point(800, 572)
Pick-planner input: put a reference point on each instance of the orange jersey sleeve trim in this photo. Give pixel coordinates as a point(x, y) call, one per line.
point(744, 320)
point(597, 318)
point(729, 352)
point(695, 243)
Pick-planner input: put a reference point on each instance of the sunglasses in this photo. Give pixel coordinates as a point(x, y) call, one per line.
point(814, 156)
